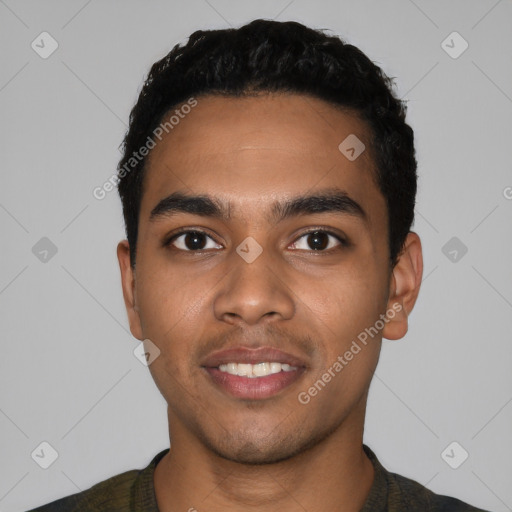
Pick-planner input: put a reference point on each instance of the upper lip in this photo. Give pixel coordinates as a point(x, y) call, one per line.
point(252, 356)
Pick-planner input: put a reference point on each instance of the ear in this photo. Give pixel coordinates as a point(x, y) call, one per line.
point(128, 283)
point(404, 287)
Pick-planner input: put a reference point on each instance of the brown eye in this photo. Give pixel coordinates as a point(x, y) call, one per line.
point(318, 240)
point(193, 241)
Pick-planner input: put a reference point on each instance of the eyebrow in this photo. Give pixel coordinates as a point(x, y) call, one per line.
point(332, 200)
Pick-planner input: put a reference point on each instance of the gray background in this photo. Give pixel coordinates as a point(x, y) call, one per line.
point(68, 375)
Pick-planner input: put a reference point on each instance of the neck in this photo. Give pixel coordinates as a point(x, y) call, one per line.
point(191, 477)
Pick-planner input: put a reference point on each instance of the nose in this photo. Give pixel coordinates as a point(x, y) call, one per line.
point(254, 291)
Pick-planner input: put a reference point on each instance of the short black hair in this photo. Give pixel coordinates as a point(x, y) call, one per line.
point(272, 56)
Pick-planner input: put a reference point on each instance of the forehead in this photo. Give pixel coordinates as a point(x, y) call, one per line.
point(261, 148)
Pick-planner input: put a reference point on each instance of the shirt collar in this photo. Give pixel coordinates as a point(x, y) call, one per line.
point(143, 497)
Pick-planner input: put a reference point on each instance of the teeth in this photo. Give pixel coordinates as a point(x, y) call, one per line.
point(255, 370)
point(275, 367)
point(245, 369)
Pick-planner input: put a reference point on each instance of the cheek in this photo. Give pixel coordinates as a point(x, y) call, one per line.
point(168, 304)
point(346, 310)
point(167, 300)
point(349, 301)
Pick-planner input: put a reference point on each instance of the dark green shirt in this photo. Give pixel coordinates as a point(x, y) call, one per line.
point(133, 491)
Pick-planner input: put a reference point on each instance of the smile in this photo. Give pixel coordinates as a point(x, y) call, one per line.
point(255, 370)
point(253, 373)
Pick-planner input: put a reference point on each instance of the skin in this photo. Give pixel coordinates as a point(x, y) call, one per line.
point(265, 455)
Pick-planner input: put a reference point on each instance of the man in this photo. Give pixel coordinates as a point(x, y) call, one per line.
point(268, 186)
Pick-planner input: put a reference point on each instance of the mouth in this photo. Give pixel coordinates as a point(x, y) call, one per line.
point(253, 374)
point(254, 371)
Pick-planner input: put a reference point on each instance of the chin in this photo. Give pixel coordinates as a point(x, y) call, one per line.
point(254, 455)
point(253, 449)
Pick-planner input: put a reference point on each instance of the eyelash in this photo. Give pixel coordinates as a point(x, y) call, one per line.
point(343, 242)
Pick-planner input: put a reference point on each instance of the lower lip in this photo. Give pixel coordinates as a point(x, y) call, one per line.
point(256, 388)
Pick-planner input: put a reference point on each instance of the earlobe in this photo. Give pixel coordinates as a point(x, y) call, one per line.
point(128, 285)
point(404, 288)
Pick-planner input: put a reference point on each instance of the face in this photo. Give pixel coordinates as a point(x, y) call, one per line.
point(282, 259)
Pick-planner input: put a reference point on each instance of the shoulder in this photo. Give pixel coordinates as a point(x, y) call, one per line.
point(131, 490)
point(394, 493)
point(111, 494)
point(415, 496)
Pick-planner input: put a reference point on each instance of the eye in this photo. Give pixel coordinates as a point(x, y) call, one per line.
point(318, 240)
point(193, 240)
